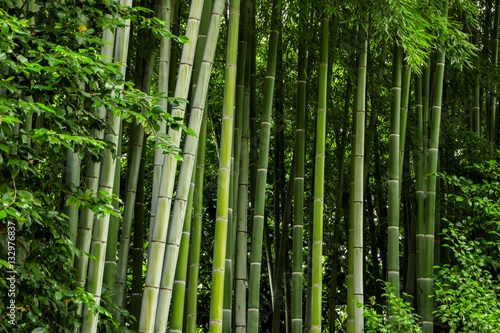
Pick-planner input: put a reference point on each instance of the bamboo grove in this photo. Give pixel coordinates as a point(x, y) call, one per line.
point(249, 165)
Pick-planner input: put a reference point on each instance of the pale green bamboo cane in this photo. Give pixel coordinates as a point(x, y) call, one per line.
point(100, 231)
point(111, 247)
point(134, 156)
point(253, 158)
point(298, 220)
point(428, 282)
point(86, 221)
point(260, 190)
point(158, 234)
point(350, 232)
point(73, 180)
point(190, 148)
point(358, 257)
point(194, 266)
point(179, 287)
point(319, 183)
point(394, 177)
point(234, 191)
point(163, 86)
point(221, 223)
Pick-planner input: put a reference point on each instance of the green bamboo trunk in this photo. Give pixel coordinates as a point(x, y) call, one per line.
point(350, 227)
point(261, 178)
point(106, 180)
point(163, 86)
point(223, 191)
point(405, 96)
point(194, 266)
point(158, 234)
point(73, 180)
point(428, 281)
point(253, 158)
point(110, 257)
point(394, 177)
point(298, 220)
point(240, 291)
point(234, 190)
point(190, 148)
point(319, 183)
point(179, 287)
point(420, 194)
point(358, 257)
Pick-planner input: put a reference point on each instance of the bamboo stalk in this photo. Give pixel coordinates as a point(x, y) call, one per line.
point(101, 227)
point(393, 274)
point(158, 235)
point(261, 178)
point(358, 257)
point(223, 191)
point(298, 220)
point(190, 148)
point(428, 282)
point(319, 172)
point(194, 266)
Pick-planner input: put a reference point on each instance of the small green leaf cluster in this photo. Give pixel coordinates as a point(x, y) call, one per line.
point(404, 319)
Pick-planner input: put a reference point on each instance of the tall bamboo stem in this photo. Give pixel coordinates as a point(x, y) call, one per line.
point(261, 180)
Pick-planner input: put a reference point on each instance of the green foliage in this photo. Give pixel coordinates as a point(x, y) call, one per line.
point(50, 80)
point(466, 290)
point(404, 319)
